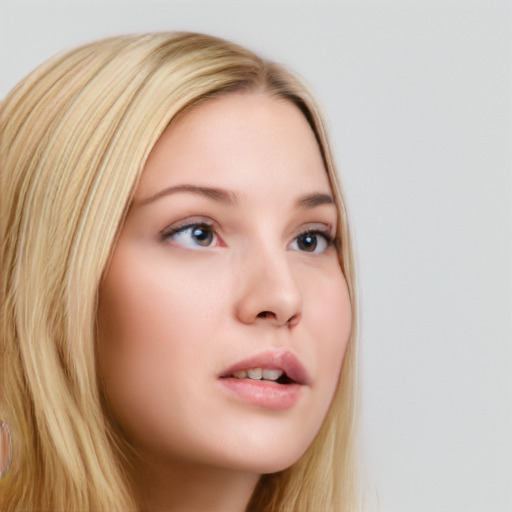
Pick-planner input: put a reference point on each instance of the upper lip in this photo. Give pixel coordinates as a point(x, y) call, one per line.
point(283, 360)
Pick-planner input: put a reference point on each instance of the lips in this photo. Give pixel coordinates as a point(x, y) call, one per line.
point(284, 361)
point(243, 381)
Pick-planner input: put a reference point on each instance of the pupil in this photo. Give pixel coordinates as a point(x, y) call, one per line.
point(202, 235)
point(308, 242)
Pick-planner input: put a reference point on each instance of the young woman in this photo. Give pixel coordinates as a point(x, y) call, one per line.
point(178, 301)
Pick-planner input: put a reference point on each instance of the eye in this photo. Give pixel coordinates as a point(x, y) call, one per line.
point(192, 236)
point(313, 241)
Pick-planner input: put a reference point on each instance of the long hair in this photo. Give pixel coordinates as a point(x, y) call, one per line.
point(74, 138)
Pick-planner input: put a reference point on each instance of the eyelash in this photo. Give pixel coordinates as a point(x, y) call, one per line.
point(323, 233)
point(171, 232)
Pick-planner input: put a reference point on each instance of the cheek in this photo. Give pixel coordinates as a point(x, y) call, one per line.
point(143, 306)
point(152, 326)
point(332, 314)
point(124, 339)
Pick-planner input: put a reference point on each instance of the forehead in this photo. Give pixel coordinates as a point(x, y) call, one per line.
point(240, 141)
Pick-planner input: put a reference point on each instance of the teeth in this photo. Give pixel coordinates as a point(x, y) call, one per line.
point(272, 374)
point(255, 373)
point(258, 374)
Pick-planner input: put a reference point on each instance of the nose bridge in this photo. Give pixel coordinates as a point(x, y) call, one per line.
point(269, 286)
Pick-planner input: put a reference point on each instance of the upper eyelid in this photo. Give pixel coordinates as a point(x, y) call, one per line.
point(317, 227)
point(174, 235)
point(325, 233)
point(188, 223)
point(330, 231)
point(324, 228)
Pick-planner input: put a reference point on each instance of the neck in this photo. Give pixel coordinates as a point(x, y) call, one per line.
point(185, 487)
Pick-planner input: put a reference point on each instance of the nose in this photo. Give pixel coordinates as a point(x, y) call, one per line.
point(268, 291)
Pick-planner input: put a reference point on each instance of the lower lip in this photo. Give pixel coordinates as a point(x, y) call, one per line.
point(268, 395)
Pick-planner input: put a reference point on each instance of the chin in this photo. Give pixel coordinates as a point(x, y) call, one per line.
point(275, 466)
point(262, 459)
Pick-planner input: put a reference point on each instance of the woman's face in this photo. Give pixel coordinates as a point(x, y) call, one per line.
point(224, 279)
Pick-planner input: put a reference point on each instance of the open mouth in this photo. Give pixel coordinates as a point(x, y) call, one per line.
point(267, 388)
point(280, 369)
point(262, 374)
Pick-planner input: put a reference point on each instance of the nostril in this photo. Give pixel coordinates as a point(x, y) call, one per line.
point(275, 320)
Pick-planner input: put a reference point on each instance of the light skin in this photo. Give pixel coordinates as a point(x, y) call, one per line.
point(226, 254)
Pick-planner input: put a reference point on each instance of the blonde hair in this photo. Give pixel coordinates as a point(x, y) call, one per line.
point(75, 135)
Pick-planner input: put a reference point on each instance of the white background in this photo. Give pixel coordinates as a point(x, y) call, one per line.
point(417, 96)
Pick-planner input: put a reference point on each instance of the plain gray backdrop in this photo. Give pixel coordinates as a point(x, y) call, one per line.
point(417, 98)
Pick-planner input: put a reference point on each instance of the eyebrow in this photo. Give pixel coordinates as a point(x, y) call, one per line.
point(226, 196)
point(217, 194)
point(315, 199)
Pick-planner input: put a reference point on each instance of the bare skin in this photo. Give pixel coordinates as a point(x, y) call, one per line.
point(189, 488)
point(226, 262)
